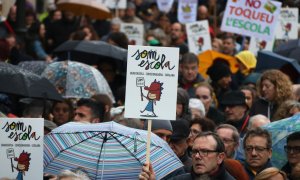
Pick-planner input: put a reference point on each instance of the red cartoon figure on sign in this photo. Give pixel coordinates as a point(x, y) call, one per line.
point(154, 93)
point(23, 164)
point(200, 44)
point(287, 28)
point(261, 45)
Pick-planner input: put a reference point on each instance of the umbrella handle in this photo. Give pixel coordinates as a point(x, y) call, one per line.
point(148, 143)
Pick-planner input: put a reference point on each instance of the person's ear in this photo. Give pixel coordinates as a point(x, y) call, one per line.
point(220, 158)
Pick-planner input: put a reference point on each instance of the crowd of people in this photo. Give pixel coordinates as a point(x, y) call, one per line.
point(218, 130)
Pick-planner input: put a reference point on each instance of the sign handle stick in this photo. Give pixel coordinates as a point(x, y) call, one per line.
point(141, 94)
point(12, 166)
point(148, 143)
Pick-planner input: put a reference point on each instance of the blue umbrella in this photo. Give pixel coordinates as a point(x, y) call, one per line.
point(270, 60)
point(106, 151)
point(280, 130)
point(289, 49)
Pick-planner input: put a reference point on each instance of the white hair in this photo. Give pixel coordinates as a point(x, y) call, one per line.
point(75, 175)
point(258, 121)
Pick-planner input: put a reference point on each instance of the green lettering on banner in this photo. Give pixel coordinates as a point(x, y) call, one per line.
point(248, 26)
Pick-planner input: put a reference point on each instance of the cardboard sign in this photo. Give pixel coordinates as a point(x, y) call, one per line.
point(134, 32)
point(198, 36)
point(254, 18)
point(21, 148)
point(114, 4)
point(151, 84)
point(287, 27)
point(257, 44)
point(164, 5)
point(187, 11)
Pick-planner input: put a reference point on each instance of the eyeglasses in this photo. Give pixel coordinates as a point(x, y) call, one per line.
point(202, 152)
point(292, 149)
point(258, 149)
point(227, 141)
point(194, 132)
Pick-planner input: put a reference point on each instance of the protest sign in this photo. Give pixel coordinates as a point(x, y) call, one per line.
point(254, 18)
point(257, 44)
point(134, 32)
point(287, 27)
point(187, 11)
point(151, 84)
point(198, 36)
point(114, 4)
point(21, 149)
point(165, 5)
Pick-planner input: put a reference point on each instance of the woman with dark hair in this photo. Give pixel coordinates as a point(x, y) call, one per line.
point(62, 112)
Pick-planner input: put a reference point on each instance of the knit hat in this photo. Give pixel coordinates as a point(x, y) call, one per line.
point(247, 58)
point(197, 104)
point(180, 130)
point(159, 124)
point(218, 70)
point(232, 98)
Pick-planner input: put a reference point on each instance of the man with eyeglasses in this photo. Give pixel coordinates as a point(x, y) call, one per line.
point(258, 151)
point(292, 150)
point(230, 137)
point(208, 153)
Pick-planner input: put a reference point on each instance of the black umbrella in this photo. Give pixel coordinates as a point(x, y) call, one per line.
point(90, 52)
point(17, 81)
point(270, 60)
point(289, 49)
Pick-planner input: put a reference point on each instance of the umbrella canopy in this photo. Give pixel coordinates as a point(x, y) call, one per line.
point(77, 80)
point(280, 130)
point(17, 81)
point(207, 58)
point(289, 49)
point(91, 8)
point(90, 52)
point(269, 60)
point(36, 67)
point(106, 151)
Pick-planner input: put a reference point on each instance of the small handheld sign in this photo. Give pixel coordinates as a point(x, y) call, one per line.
point(151, 85)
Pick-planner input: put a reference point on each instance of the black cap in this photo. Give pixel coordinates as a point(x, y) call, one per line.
point(180, 130)
point(232, 98)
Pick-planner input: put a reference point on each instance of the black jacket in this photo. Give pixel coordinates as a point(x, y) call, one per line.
point(222, 174)
point(263, 107)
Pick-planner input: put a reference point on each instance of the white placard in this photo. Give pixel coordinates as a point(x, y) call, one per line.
point(21, 148)
point(151, 84)
point(134, 32)
point(114, 4)
point(187, 11)
point(260, 45)
point(287, 27)
point(198, 36)
point(164, 5)
point(254, 18)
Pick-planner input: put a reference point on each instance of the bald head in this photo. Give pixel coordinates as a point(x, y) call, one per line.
point(258, 121)
point(202, 12)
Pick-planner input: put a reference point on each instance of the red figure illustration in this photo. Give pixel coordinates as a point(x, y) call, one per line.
point(23, 164)
point(154, 94)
